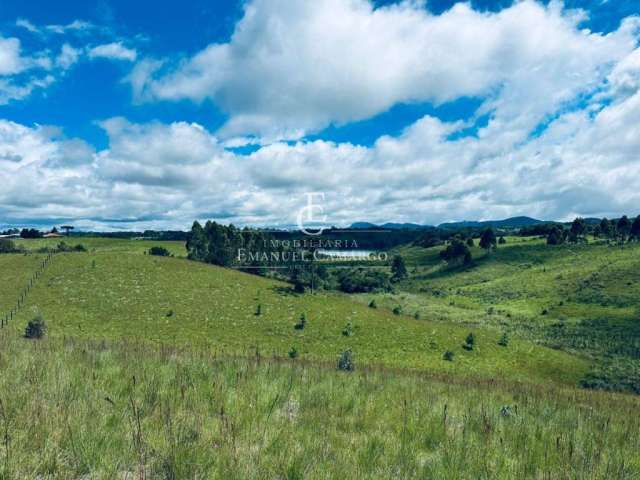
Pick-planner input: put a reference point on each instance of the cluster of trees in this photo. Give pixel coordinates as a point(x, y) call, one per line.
point(30, 233)
point(620, 230)
point(458, 249)
point(220, 244)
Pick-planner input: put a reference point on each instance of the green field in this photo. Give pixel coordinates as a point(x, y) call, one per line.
point(583, 299)
point(115, 293)
point(74, 409)
point(162, 367)
point(15, 271)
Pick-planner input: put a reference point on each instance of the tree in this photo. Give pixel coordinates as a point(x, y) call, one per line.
point(456, 252)
point(635, 229)
point(623, 227)
point(577, 230)
point(30, 233)
point(398, 269)
point(501, 240)
point(555, 236)
point(488, 239)
point(67, 229)
point(605, 227)
point(470, 242)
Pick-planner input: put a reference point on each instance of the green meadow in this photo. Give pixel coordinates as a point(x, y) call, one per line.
point(162, 367)
point(120, 293)
point(76, 409)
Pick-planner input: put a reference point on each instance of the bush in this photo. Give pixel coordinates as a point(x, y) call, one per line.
point(348, 330)
point(363, 280)
point(302, 323)
point(372, 304)
point(469, 342)
point(397, 310)
point(345, 361)
point(504, 340)
point(36, 328)
point(293, 353)
point(7, 246)
point(159, 252)
point(448, 356)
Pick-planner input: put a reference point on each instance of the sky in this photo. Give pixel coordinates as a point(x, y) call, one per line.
point(151, 114)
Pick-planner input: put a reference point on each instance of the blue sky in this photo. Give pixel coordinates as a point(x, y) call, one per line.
point(150, 114)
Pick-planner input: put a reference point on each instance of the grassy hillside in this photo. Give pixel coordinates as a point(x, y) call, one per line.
point(15, 272)
point(114, 293)
point(75, 409)
point(581, 298)
point(104, 244)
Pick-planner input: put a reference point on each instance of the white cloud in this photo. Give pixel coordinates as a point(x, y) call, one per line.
point(21, 74)
point(68, 56)
point(113, 51)
point(164, 175)
point(11, 61)
point(292, 67)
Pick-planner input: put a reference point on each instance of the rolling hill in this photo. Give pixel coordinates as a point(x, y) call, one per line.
point(115, 292)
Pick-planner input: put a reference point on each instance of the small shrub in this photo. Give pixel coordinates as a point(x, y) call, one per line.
point(545, 311)
point(298, 286)
point(372, 304)
point(397, 310)
point(469, 342)
point(416, 315)
point(293, 353)
point(504, 340)
point(302, 323)
point(258, 310)
point(348, 330)
point(36, 328)
point(7, 246)
point(159, 252)
point(80, 248)
point(345, 361)
point(448, 356)
point(170, 313)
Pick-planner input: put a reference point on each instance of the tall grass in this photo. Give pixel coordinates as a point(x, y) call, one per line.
point(76, 409)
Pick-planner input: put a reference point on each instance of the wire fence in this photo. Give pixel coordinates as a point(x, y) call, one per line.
point(22, 298)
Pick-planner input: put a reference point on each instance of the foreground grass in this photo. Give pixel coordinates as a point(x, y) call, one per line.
point(72, 409)
point(116, 295)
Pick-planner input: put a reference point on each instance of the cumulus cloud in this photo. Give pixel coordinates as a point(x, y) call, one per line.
point(164, 175)
point(292, 67)
point(113, 51)
point(562, 136)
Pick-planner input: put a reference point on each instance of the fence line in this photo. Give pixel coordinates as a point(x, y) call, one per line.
point(6, 318)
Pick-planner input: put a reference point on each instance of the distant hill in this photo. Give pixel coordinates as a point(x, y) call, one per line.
point(513, 222)
point(390, 226)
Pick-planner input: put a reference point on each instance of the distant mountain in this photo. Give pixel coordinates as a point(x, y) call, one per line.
point(389, 226)
point(513, 222)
